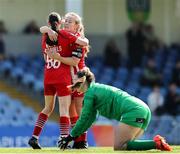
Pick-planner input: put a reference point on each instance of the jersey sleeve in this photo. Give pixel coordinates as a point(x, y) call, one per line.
point(88, 116)
point(70, 36)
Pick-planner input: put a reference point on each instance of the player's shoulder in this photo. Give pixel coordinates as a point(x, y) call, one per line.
point(65, 33)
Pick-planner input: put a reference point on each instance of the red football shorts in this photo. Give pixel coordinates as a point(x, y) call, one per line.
point(59, 89)
point(76, 94)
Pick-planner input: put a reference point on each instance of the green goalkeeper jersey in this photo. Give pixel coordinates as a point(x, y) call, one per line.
point(106, 101)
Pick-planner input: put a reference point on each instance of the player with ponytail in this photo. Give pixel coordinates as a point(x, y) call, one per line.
point(56, 76)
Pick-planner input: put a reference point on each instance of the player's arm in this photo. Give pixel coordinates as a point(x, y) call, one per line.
point(72, 61)
point(53, 36)
point(43, 45)
point(82, 41)
point(51, 33)
point(88, 116)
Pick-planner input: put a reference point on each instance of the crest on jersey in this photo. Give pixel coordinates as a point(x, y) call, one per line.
point(138, 10)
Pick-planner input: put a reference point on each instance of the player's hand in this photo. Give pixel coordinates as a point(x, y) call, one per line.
point(63, 143)
point(53, 55)
point(52, 35)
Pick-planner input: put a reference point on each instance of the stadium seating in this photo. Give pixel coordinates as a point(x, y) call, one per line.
point(28, 71)
point(14, 113)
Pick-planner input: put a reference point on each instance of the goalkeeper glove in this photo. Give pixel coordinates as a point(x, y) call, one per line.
point(63, 143)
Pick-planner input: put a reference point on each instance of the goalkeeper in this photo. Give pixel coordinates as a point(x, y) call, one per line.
point(113, 103)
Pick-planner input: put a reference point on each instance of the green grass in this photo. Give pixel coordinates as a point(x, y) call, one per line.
point(103, 150)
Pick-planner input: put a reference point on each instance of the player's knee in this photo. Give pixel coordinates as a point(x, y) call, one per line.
point(64, 111)
point(48, 110)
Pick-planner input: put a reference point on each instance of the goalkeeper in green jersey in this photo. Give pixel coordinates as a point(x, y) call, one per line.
point(132, 113)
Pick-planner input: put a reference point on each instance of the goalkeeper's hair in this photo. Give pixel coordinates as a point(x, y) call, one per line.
point(89, 77)
point(53, 19)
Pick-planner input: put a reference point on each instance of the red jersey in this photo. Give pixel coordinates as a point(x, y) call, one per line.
point(55, 71)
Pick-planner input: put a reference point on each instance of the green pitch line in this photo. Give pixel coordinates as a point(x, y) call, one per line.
point(98, 150)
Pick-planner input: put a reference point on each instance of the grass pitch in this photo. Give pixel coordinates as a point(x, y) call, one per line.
point(91, 150)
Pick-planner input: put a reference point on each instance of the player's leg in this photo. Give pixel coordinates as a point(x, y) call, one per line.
point(49, 93)
point(134, 144)
point(130, 128)
point(122, 134)
point(78, 104)
point(126, 135)
point(64, 99)
point(158, 141)
point(73, 116)
point(64, 121)
point(49, 105)
point(72, 113)
point(42, 118)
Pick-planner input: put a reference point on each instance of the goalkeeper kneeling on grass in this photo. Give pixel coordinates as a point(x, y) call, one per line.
point(132, 113)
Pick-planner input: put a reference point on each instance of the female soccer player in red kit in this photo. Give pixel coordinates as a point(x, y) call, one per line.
point(56, 78)
point(72, 19)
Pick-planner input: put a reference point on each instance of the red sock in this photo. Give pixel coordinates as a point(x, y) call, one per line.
point(42, 118)
point(73, 121)
point(83, 137)
point(64, 125)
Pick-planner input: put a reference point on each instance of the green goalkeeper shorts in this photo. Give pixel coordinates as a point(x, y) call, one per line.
point(137, 117)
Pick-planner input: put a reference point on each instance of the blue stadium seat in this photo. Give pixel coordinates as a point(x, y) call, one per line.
point(105, 79)
point(4, 99)
point(38, 85)
point(97, 62)
point(96, 72)
point(178, 118)
point(122, 74)
point(166, 117)
point(174, 135)
point(28, 79)
point(118, 84)
point(163, 91)
point(6, 66)
point(154, 123)
point(178, 90)
point(144, 92)
point(136, 74)
point(167, 75)
point(133, 86)
point(14, 113)
point(108, 71)
point(131, 91)
point(17, 72)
